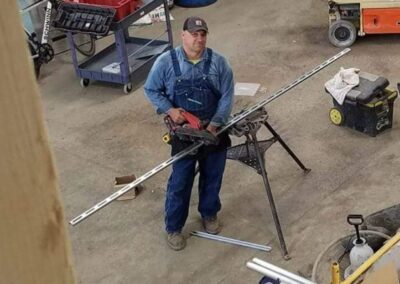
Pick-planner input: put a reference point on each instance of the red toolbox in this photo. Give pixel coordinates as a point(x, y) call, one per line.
point(123, 7)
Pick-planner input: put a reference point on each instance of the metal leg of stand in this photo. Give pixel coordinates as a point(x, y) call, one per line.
point(286, 147)
point(270, 198)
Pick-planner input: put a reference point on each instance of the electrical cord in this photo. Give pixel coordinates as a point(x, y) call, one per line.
point(323, 252)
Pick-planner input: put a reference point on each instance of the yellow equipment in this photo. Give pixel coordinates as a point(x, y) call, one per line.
point(370, 261)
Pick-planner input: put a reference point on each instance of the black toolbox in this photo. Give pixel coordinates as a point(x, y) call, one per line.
point(368, 107)
point(84, 18)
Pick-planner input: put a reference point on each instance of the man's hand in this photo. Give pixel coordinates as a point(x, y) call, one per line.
point(176, 115)
point(213, 129)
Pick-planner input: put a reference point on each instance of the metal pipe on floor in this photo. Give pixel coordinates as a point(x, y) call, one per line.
point(281, 271)
point(230, 241)
point(272, 274)
point(218, 237)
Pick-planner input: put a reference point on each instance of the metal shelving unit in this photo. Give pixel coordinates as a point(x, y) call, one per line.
point(128, 59)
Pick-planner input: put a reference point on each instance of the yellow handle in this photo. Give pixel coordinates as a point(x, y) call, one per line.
point(166, 138)
point(335, 273)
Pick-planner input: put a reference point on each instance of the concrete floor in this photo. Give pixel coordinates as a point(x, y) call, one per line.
point(98, 133)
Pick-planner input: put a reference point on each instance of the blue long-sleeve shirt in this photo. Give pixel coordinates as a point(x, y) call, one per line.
point(159, 86)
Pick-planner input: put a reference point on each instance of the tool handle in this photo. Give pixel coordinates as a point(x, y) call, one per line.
point(169, 123)
point(355, 219)
point(194, 121)
point(167, 138)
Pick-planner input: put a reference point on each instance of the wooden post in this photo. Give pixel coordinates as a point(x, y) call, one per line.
point(34, 245)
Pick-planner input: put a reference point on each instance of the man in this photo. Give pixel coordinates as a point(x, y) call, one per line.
point(200, 81)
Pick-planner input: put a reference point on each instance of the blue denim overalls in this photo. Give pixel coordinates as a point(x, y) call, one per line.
point(195, 95)
point(199, 97)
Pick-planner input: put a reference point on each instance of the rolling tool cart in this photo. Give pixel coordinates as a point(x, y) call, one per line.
point(368, 107)
point(128, 60)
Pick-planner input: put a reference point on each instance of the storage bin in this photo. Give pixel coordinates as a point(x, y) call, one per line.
point(83, 18)
point(123, 7)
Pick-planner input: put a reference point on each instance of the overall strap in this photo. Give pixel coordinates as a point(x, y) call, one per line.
point(207, 63)
point(175, 63)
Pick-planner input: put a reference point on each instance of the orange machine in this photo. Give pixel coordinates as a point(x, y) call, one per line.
point(381, 21)
point(349, 18)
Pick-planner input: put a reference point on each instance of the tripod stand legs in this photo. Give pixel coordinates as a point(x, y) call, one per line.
point(270, 198)
point(286, 147)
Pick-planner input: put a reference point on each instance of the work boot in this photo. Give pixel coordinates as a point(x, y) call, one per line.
point(176, 241)
point(212, 225)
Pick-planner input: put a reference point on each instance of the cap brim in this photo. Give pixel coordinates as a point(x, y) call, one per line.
point(197, 29)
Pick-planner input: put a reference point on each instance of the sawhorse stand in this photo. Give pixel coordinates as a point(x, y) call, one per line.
point(252, 152)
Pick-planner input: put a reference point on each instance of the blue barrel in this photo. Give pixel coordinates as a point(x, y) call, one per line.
point(194, 3)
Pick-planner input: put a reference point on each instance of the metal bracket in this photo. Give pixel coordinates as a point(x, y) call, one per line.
point(246, 153)
point(252, 123)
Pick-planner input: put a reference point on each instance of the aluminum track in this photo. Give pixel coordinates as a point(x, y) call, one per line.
point(195, 146)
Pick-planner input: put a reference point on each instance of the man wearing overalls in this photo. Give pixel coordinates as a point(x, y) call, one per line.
point(196, 79)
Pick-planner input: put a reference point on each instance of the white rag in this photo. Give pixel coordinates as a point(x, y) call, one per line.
point(342, 83)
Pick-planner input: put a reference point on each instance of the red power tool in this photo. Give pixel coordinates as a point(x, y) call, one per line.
point(193, 129)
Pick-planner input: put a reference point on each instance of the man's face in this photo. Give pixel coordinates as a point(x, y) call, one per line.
point(195, 41)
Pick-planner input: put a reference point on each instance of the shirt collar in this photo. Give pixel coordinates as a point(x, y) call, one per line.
point(182, 52)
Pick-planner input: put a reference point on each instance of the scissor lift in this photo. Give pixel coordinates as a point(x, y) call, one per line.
point(351, 18)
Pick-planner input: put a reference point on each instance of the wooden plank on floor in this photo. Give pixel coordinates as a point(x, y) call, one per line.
point(34, 244)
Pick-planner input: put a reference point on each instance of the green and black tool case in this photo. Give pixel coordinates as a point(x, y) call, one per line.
point(368, 107)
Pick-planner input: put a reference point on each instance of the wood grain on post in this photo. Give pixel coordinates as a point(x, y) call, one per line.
point(34, 244)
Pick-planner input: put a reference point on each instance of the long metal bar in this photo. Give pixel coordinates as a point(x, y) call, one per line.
point(135, 183)
point(269, 273)
point(46, 24)
point(230, 241)
point(279, 93)
point(282, 271)
point(187, 151)
point(273, 274)
point(168, 23)
point(236, 241)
